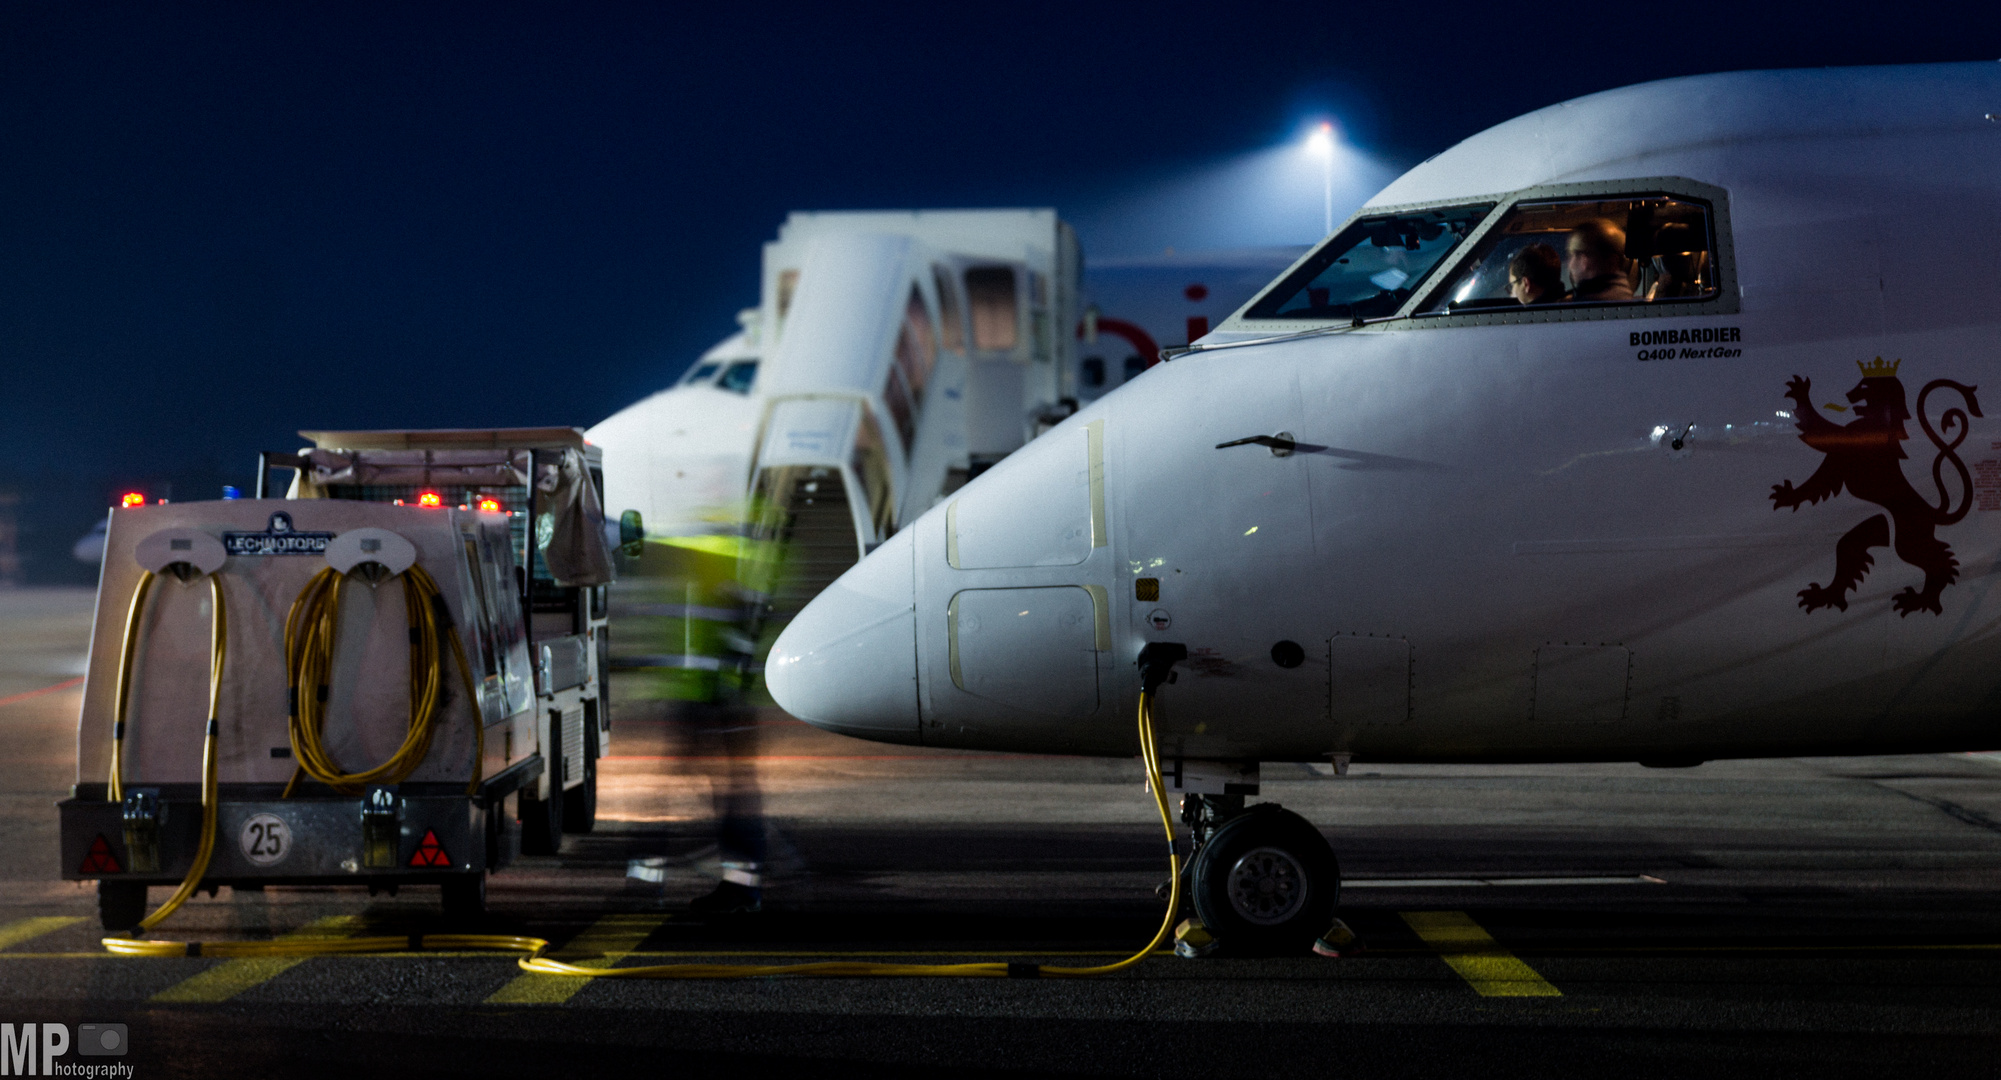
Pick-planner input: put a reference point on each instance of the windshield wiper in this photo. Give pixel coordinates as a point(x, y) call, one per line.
point(1357, 323)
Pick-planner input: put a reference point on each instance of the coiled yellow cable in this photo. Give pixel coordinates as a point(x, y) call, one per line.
point(312, 627)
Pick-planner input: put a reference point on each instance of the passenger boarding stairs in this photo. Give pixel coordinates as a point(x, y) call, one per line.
point(815, 528)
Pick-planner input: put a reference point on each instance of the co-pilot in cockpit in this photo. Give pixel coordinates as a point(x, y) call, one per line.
point(1624, 249)
point(1535, 275)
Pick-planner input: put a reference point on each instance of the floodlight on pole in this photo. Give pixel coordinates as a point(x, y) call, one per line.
point(1320, 143)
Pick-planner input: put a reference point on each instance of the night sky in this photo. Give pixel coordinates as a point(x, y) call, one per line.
point(222, 223)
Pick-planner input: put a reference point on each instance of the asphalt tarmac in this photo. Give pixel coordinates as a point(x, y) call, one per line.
point(1828, 916)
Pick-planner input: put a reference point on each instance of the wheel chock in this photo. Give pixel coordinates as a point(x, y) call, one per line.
point(1338, 941)
point(1192, 940)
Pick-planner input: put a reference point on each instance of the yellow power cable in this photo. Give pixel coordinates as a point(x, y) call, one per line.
point(218, 651)
point(1148, 754)
point(536, 962)
point(312, 627)
point(116, 786)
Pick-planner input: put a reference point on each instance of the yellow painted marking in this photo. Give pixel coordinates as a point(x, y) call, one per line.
point(455, 954)
point(1101, 608)
point(1094, 434)
point(608, 941)
point(952, 535)
point(952, 639)
point(22, 930)
point(1491, 970)
point(1637, 951)
point(232, 977)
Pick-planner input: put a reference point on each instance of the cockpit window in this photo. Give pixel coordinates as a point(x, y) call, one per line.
point(1629, 249)
point(702, 373)
point(738, 377)
point(1371, 268)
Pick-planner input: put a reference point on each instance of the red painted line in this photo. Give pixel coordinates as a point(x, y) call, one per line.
point(44, 690)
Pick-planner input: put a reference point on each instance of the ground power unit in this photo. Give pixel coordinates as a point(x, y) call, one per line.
point(347, 686)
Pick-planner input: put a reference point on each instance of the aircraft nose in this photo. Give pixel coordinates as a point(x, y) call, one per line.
point(848, 662)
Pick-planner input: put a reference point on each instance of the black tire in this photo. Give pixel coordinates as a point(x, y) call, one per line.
point(120, 904)
point(542, 822)
point(580, 803)
point(465, 898)
point(542, 819)
point(499, 844)
point(1266, 883)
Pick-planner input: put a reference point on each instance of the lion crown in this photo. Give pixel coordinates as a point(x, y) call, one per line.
point(1878, 369)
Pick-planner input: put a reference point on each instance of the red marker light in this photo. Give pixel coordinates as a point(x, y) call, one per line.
point(99, 859)
point(489, 505)
point(132, 499)
point(429, 498)
point(429, 852)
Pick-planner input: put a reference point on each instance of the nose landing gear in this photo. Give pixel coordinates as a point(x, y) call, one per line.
point(1263, 879)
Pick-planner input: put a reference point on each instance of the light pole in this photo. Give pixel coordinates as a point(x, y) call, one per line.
point(1321, 145)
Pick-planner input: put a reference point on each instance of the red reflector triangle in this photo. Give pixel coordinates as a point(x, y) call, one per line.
point(99, 859)
point(430, 852)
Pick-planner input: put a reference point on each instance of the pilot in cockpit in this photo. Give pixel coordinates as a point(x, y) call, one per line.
point(1596, 259)
point(1678, 262)
point(1535, 275)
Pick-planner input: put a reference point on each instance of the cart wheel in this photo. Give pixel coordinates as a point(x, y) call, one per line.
point(542, 819)
point(465, 898)
point(580, 803)
point(120, 904)
point(542, 822)
point(498, 852)
point(1266, 883)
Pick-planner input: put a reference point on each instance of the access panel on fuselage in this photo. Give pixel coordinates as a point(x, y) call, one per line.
point(1214, 550)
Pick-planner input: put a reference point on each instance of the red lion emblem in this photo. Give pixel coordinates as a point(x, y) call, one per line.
point(1864, 456)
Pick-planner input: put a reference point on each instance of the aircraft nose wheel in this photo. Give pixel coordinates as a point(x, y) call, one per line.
point(1267, 886)
point(1266, 882)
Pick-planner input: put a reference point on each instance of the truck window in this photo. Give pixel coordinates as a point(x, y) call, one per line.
point(1627, 249)
point(996, 315)
point(1371, 267)
point(503, 603)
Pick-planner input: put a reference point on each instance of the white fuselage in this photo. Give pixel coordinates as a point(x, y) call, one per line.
point(890, 353)
point(1512, 533)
